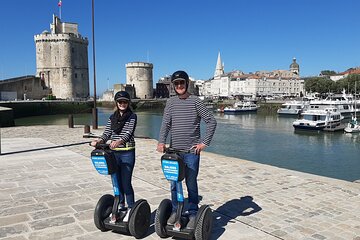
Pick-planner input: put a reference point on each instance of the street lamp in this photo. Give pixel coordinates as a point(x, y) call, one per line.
point(94, 110)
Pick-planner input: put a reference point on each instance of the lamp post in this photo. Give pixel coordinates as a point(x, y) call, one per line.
point(94, 110)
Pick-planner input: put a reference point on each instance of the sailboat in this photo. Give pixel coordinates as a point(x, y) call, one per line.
point(353, 126)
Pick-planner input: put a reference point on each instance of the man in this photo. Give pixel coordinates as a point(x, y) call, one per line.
point(182, 116)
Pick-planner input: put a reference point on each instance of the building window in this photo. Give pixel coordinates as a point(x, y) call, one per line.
point(75, 75)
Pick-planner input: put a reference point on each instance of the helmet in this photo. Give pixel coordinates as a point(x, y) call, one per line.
point(180, 75)
point(122, 95)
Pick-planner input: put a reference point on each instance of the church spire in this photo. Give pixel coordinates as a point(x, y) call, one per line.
point(219, 70)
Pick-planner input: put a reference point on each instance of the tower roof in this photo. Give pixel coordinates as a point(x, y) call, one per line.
point(219, 70)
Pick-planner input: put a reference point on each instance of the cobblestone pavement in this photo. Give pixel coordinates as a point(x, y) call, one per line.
point(51, 193)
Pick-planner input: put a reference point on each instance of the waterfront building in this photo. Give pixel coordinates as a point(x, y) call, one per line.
point(261, 83)
point(23, 88)
point(62, 60)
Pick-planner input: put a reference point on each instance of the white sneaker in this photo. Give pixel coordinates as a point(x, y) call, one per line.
point(126, 218)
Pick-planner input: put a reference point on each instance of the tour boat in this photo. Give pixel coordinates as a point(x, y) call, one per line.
point(240, 107)
point(328, 119)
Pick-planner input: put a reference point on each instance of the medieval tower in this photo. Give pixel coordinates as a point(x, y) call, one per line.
point(140, 75)
point(62, 60)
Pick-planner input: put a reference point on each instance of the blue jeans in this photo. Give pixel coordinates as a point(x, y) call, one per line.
point(125, 161)
point(191, 161)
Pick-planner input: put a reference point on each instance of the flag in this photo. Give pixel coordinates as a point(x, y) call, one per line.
point(59, 3)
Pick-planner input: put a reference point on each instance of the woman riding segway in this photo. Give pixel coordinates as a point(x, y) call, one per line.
point(119, 158)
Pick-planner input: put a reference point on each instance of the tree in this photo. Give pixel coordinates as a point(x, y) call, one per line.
point(327, 72)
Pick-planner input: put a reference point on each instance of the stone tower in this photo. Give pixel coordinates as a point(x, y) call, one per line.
point(219, 69)
point(140, 75)
point(294, 67)
point(62, 60)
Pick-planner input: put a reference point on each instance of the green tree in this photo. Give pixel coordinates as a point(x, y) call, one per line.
point(327, 72)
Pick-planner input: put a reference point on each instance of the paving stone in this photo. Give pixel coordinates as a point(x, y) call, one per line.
point(57, 199)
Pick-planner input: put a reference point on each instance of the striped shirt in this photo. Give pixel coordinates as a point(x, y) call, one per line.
point(182, 120)
point(126, 134)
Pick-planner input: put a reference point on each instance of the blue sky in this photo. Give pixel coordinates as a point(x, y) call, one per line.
point(251, 35)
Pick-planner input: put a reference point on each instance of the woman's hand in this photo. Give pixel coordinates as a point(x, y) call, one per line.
point(115, 144)
point(160, 147)
point(95, 142)
point(198, 148)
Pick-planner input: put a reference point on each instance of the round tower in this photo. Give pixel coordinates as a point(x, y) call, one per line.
point(140, 75)
point(62, 60)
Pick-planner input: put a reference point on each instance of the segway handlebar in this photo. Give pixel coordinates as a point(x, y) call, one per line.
point(101, 145)
point(175, 150)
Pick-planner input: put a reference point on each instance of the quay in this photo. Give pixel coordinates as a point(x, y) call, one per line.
point(49, 189)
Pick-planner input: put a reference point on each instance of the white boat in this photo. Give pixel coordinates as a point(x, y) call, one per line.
point(240, 107)
point(328, 119)
point(293, 107)
point(345, 103)
point(353, 126)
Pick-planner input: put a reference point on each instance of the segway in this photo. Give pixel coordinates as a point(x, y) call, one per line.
point(173, 168)
point(107, 215)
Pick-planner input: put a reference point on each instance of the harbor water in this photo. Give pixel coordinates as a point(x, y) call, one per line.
point(263, 138)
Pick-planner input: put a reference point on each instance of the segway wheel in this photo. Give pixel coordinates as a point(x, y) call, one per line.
point(139, 221)
point(102, 211)
point(162, 215)
point(204, 223)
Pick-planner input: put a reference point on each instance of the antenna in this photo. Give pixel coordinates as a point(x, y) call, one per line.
point(147, 56)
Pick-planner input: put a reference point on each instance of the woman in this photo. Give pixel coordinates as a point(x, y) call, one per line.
point(120, 131)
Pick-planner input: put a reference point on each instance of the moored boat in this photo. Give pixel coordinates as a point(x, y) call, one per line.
point(353, 126)
point(328, 119)
point(293, 108)
point(241, 107)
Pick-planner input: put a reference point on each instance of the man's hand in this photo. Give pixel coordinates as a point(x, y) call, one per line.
point(198, 148)
point(160, 147)
point(115, 144)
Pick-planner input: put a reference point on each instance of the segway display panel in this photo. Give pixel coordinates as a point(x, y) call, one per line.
point(103, 162)
point(173, 167)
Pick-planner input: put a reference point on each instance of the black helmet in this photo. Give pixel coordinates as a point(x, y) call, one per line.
point(122, 95)
point(180, 75)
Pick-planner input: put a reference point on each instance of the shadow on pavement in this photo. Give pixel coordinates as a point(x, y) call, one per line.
point(229, 211)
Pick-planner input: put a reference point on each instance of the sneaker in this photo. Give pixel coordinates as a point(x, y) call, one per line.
point(191, 223)
point(126, 218)
point(172, 219)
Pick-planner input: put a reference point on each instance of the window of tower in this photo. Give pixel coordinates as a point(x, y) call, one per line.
point(72, 50)
point(75, 75)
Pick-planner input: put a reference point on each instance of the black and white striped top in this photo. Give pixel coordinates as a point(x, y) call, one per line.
point(126, 134)
point(182, 119)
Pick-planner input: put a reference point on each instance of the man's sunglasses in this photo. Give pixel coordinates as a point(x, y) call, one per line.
point(181, 82)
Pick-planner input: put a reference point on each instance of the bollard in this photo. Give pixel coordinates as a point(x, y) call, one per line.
point(86, 129)
point(71, 121)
